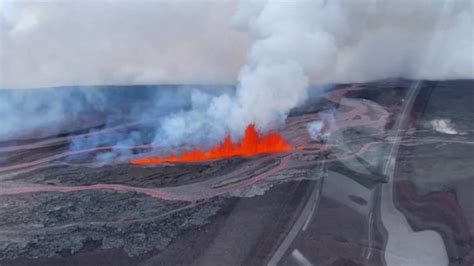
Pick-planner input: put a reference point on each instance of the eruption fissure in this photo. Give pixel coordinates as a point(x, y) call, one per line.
point(252, 143)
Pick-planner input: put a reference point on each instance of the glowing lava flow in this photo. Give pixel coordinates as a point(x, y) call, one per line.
point(252, 143)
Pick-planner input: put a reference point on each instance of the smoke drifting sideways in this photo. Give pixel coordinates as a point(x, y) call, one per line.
point(52, 112)
point(38, 112)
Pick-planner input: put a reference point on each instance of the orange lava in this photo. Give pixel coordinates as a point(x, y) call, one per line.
point(251, 144)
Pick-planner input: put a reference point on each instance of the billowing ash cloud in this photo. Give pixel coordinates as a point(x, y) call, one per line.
point(292, 44)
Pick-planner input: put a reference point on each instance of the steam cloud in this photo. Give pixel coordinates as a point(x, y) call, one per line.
point(295, 44)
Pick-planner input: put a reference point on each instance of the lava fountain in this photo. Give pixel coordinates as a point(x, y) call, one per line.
point(252, 143)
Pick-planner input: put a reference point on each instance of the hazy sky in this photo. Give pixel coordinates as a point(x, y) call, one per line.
point(118, 42)
point(53, 43)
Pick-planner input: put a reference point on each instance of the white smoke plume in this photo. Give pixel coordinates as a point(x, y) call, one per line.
point(320, 130)
point(296, 42)
point(273, 81)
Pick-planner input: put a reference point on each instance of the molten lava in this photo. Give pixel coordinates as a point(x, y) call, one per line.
point(251, 144)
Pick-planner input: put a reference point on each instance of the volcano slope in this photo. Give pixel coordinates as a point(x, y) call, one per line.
point(61, 206)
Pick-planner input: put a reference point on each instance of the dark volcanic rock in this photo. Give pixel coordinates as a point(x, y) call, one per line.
point(51, 224)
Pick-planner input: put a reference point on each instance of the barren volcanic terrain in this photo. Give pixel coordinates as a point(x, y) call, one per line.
point(364, 157)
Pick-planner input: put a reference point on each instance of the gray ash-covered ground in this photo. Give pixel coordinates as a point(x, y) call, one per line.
point(330, 202)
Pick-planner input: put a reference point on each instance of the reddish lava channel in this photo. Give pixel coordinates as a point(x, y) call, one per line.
point(252, 143)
